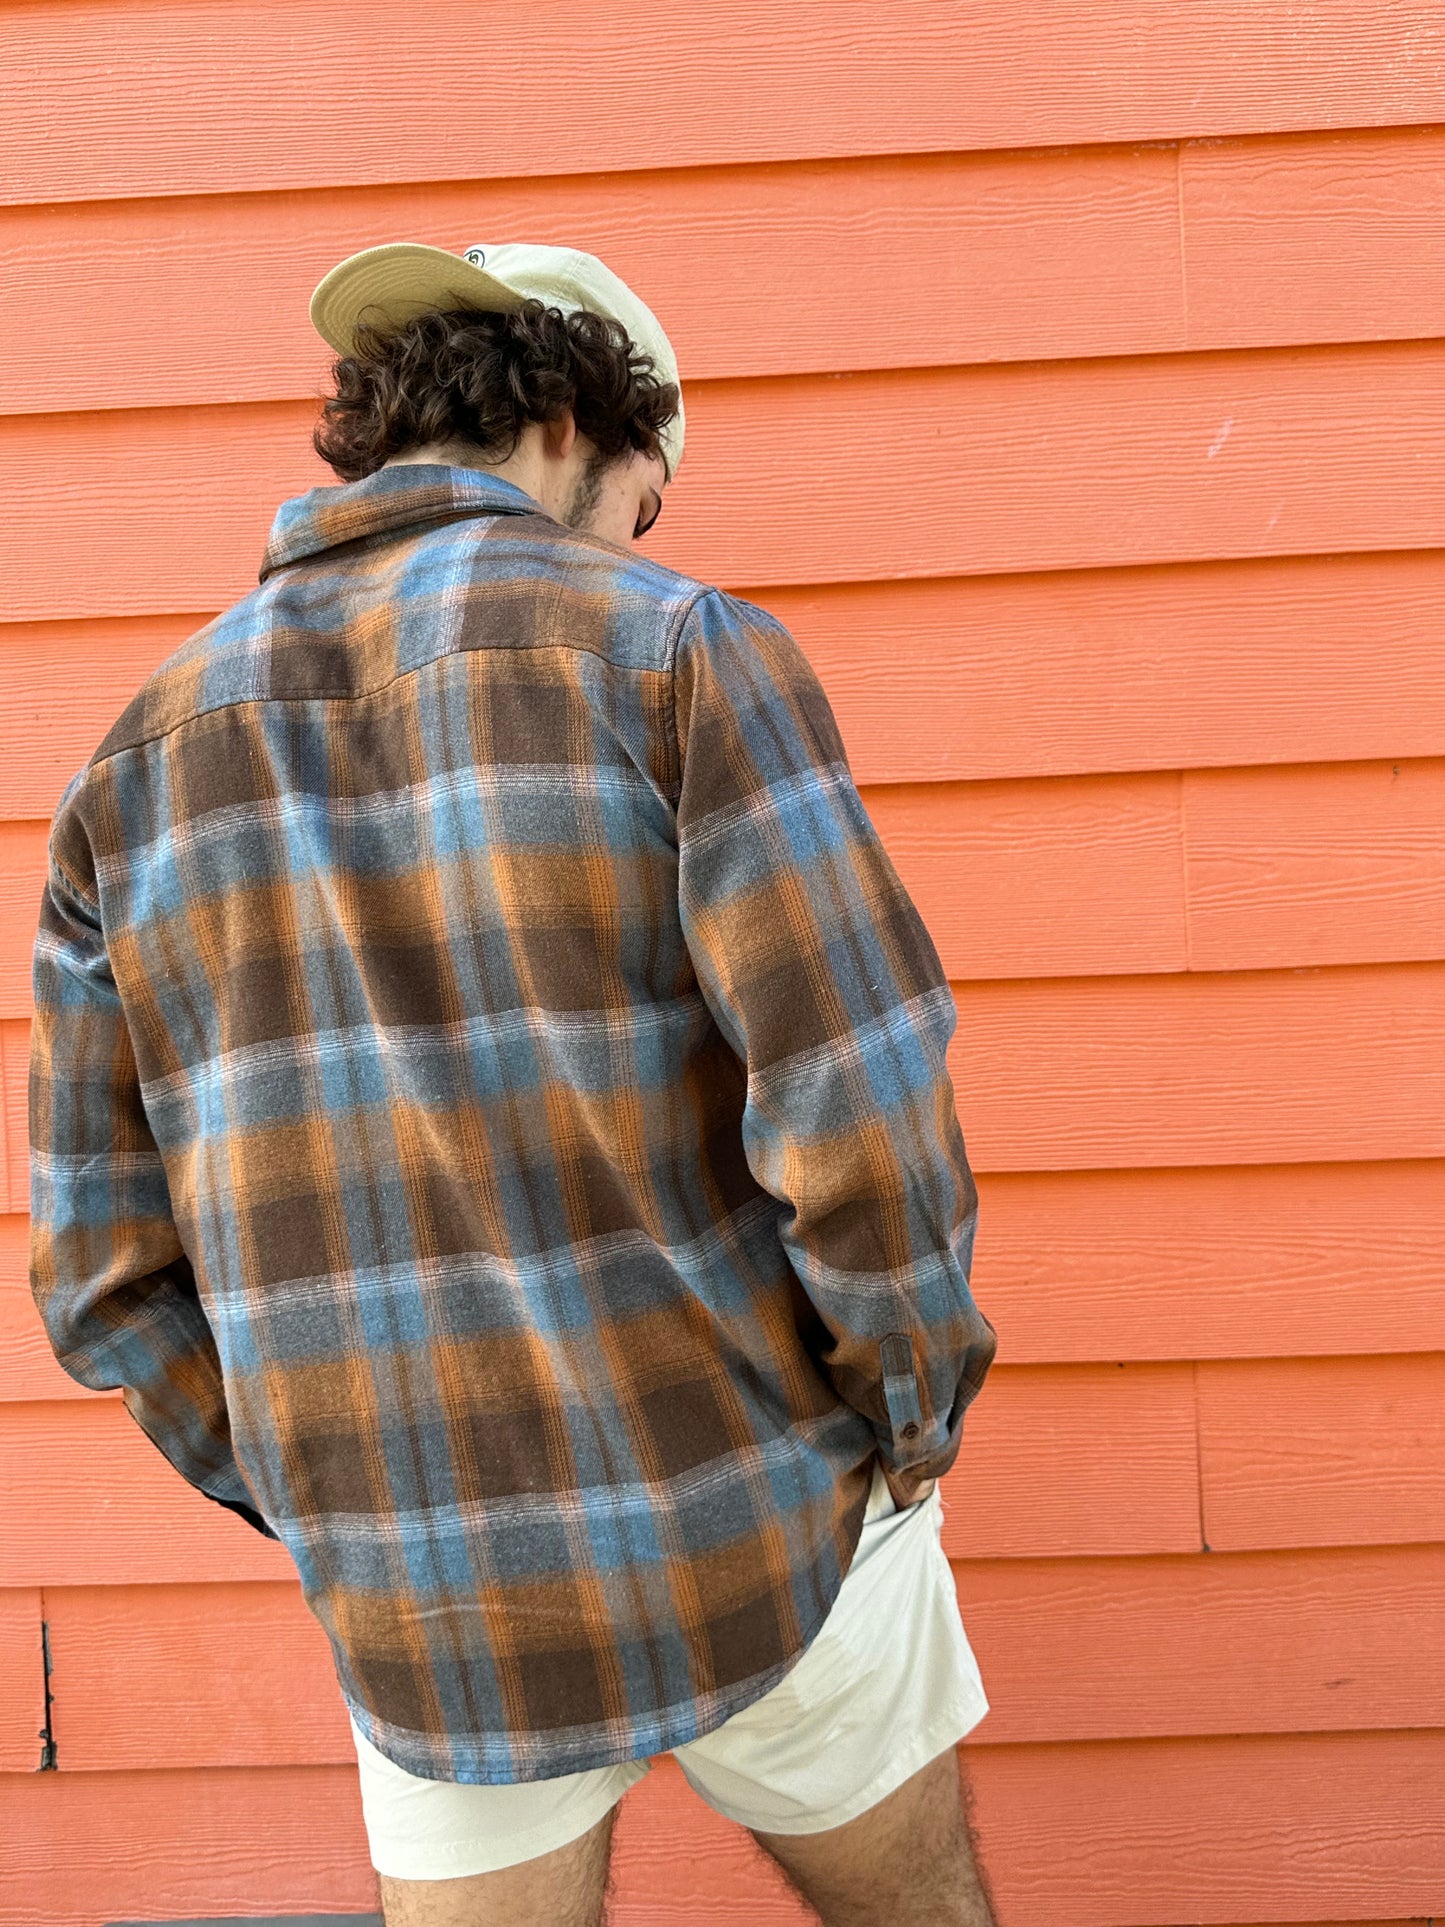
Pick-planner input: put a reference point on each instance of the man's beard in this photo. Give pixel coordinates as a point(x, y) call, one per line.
point(587, 494)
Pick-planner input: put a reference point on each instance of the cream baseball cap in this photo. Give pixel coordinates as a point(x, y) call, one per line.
point(402, 279)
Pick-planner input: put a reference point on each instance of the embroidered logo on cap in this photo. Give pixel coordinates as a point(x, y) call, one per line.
point(475, 255)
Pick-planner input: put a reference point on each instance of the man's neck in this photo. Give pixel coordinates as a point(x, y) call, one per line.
point(517, 467)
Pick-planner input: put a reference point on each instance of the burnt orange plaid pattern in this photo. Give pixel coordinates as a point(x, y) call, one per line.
point(489, 1113)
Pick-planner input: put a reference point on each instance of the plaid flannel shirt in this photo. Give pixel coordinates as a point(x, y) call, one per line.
point(489, 1114)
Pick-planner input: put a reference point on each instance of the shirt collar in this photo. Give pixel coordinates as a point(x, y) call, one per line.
point(408, 495)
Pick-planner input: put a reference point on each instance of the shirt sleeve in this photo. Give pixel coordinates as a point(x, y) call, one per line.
point(113, 1285)
point(820, 973)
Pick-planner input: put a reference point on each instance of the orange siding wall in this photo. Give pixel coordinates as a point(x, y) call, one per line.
point(1071, 379)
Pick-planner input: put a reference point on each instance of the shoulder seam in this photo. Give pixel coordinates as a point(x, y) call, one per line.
point(81, 895)
point(673, 637)
point(679, 616)
point(74, 784)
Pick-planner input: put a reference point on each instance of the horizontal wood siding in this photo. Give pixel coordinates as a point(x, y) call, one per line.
point(202, 96)
point(1070, 380)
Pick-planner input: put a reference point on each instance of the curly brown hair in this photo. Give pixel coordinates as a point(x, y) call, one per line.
point(468, 375)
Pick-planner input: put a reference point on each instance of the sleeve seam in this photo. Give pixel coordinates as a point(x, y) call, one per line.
point(83, 897)
point(675, 628)
point(65, 807)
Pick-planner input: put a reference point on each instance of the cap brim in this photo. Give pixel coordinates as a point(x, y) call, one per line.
point(392, 284)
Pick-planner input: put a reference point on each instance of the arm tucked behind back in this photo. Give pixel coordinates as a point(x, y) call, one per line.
point(821, 975)
point(113, 1285)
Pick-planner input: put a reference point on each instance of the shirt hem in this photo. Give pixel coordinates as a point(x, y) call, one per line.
point(676, 1731)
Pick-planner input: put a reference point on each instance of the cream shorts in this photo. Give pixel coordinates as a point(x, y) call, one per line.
point(887, 1683)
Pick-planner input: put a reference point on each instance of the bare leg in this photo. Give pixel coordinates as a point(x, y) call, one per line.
point(564, 1888)
point(906, 1862)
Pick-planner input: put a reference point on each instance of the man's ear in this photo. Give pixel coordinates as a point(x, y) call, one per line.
point(559, 436)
